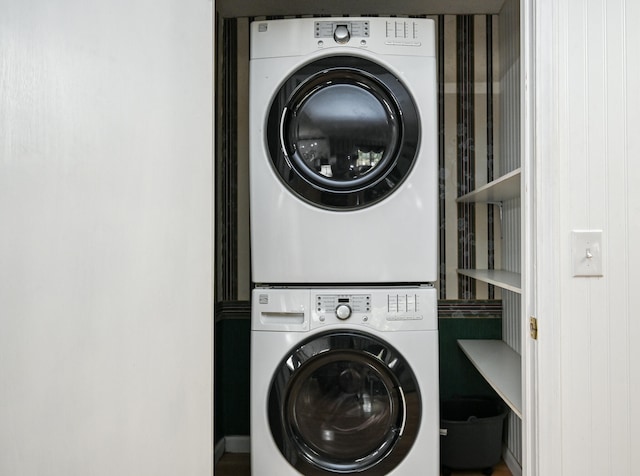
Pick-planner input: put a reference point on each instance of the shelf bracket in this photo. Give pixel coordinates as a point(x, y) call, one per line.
point(499, 205)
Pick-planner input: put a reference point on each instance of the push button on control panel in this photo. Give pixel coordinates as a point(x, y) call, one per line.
point(402, 33)
point(402, 29)
point(402, 303)
point(403, 307)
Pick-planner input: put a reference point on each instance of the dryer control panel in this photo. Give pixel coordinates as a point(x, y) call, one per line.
point(342, 31)
point(378, 35)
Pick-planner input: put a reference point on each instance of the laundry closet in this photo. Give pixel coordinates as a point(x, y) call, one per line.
point(111, 133)
point(479, 182)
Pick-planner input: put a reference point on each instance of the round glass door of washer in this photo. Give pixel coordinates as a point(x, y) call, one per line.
point(344, 403)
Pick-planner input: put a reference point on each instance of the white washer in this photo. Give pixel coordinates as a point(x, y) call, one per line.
point(344, 381)
point(343, 151)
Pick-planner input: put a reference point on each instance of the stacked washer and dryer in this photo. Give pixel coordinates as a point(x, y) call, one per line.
point(344, 192)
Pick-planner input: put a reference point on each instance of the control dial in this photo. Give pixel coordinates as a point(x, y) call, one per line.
point(341, 34)
point(343, 311)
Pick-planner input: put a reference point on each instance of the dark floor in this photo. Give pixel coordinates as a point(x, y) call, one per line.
point(238, 464)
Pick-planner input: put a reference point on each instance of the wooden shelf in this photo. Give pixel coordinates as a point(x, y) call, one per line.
point(504, 188)
point(503, 279)
point(500, 365)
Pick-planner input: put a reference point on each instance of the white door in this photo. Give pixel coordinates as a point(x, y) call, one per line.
point(105, 243)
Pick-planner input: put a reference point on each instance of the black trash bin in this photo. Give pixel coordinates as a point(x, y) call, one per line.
point(472, 433)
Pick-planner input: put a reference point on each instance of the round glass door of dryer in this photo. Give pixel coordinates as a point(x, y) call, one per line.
point(343, 132)
point(344, 403)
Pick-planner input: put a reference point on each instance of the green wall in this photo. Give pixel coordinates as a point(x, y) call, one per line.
point(458, 377)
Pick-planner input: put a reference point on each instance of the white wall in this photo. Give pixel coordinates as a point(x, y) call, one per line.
point(588, 171)
point(106, 237)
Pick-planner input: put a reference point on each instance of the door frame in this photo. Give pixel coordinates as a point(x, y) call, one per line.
point(542, 429)
point(530, 440)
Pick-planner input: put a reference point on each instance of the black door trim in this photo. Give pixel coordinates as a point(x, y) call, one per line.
point(336, 80)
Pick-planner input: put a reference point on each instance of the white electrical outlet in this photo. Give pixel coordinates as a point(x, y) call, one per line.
point(586, 250)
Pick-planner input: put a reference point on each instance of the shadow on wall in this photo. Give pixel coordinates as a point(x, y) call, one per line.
point(232, 390)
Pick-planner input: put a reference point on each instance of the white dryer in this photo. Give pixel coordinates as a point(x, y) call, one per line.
point(344, 381)
point(343, 151)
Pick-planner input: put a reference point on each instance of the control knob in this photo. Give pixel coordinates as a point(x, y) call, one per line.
point(341, 34)
point(343, 311)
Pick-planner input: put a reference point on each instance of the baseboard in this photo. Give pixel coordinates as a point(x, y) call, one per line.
point(511, 462)
point(218, 451)
point(237, 444)
point(231, 444)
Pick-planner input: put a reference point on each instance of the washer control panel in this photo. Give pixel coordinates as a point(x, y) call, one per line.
point(389, 309)
point(299, 37)
point(297, 309)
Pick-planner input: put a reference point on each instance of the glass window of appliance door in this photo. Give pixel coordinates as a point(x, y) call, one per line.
point(343, 133)
point(344, 411)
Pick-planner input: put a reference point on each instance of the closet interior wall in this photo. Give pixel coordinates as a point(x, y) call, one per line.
point(509, 139)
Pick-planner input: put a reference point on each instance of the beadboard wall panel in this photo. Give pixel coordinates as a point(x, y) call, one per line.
point(509, 138)
point(591, 172)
